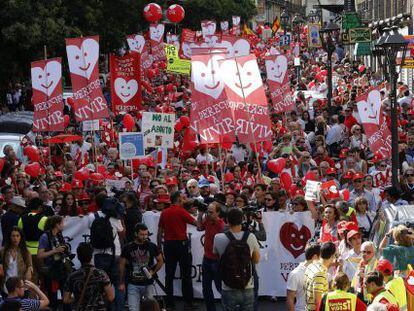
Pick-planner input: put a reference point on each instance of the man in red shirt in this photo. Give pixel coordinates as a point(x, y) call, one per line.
point(172, 227)
point(212, 224)
point(349, 118)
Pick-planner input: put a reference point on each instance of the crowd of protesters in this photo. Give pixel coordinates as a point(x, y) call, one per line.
point(223, 194)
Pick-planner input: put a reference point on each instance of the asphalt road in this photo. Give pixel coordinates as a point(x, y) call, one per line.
point(264, 305)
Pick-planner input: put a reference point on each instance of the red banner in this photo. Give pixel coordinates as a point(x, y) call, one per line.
point(375, 125)
point(235, 46)
point(247, 99)
point(83, 58)
point(47, 95)
point(136, 43)
point(279, 85)
point(211, 116)
point(125, 82)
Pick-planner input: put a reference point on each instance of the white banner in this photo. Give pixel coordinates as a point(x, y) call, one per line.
point(287, 235)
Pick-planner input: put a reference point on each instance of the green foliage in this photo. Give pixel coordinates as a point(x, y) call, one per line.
point(27, 26)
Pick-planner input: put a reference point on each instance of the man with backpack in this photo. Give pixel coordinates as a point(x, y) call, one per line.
point(238, 251)
point(106, 228)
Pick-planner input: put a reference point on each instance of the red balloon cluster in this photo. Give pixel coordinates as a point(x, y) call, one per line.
point(32, 169)
point(276, 166)
point(182, 123)
point(152, 12)
point(128, 122)
point(32, 153)
point(175, 13)
point(82, 174)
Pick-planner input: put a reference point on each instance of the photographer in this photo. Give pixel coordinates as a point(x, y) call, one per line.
point(138, 258)
point(55, 255)
point(210, 221)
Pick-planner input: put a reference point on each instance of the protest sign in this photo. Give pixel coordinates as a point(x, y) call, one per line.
point(174, 63)
point(90, 125)
point(279, 84)
point(47, 95)
point(312, 191)
point(125, 82)
point(131, 146)
point(83, 56)
point(374, 123)
point(136, 43)
point(158, 129)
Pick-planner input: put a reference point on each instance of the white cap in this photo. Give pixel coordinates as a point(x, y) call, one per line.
point(18, 200)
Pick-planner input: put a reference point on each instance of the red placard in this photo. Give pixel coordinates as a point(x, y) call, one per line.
point(278, 81)
point(211, 117)
point(83, 58)
point(136, 43)
point(375, 125)
point(47, 95)
point(247, 99)
point(125, 82)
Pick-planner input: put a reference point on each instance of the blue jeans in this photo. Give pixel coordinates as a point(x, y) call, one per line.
point(237, 300)
point(136, 292)
point(211, 273)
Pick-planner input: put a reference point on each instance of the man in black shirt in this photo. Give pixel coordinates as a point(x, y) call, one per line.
point(138, 258)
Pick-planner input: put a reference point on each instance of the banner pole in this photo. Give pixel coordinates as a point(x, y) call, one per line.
point(47, 99)
point(248, 113)
point(221, 167)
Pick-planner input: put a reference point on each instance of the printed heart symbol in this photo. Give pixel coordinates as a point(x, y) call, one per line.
point(236, 20)
point(273, 51)
point(369, 110)
point(46, 79)
point(206, 78)
point(125, 90)
point(186, 49)
point(136, 43)
point(293, 239)
point(211, 41)
point(276, 69)
point(410, 280)
point(245, 80)
point(226, 45)
point(224, 25)
point(208, 28)
point(82, 60)
point(157, 32)
point(241, 48)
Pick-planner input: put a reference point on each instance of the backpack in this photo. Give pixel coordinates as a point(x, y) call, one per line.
point(236, 263)
point(102, 233)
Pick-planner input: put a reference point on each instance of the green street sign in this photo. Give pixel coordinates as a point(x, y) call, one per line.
point(351, 20)
point(359, 35)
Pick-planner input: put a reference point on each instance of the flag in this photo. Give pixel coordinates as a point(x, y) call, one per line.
point(276, 25)
point(247, 31)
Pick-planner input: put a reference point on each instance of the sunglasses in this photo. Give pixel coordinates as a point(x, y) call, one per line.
point(366, 252)
point(268, 199)
point(409, 175)
point(191, 187)
point(357, 180)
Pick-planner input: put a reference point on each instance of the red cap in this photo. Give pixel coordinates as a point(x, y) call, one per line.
point(341, 226)
point(228, 177)
point(351, 234)
point(196, 169)
point(385, 267)
point(77, 184)
point(358, 176)
point(350, 225)
point(344, 153)
point(84, 197)
point(230, 191)
point(330, 170)
point(163, 198)
point(172, 181)
point(211, 179)
point(66, 187)
point(348, 175)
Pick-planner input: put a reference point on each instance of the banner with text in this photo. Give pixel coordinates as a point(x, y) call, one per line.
point(279, 84)
point(83, 58)
point(47, 95)
point(158, 129)
point(375, 125)
point(125, 82)
point(136, 43)
point(174, 63)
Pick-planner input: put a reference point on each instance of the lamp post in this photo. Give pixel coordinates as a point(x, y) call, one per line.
point(297, 21)
point(391, 43)
point(328, 43)
point(284, 20)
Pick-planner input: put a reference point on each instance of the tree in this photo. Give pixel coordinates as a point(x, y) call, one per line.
point(27, 26)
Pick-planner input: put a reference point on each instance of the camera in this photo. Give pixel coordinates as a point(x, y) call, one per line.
point(201, 206)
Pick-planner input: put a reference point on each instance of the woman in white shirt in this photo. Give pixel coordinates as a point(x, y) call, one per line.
point(364, 217)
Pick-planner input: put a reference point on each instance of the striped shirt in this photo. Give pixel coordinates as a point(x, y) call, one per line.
point(26, 303)
point(316, 279)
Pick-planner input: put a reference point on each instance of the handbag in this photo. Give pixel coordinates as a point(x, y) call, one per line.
point(85, 285)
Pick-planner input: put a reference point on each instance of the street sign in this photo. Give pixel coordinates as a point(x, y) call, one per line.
point(351, 20)
point(345, 37)
point(284, 40)
point(359, 35)
point(314, 39)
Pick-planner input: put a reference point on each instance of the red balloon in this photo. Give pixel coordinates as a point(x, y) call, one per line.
point(324, 72)
point(101, 169)
point(151, 73)
point(310, 176)
point(32, 153)
point(70, 101)
point(32, 169)
point(268, 146)
point(185, 121)
point(226, 145)
point(286, 181)
point(145, 84)
point(1, 164)
point(128, 122)
point(169, 87)
point(163, 65)
point(175, 13)
point(66, 120)
point(178, 126)
point(152, 12)
point(96, 177)
point(82, 174)
point(160, 89)
point(277, 165)
point(344, 194)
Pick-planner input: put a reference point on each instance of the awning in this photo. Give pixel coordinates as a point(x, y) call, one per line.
point(363, 48)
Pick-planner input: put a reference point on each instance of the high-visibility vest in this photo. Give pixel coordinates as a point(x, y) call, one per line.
point(387, 295)
point(397, 288)
point(339, 300)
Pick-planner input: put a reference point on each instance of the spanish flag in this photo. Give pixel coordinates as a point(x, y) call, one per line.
point(247, 31)
point(276, 25)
